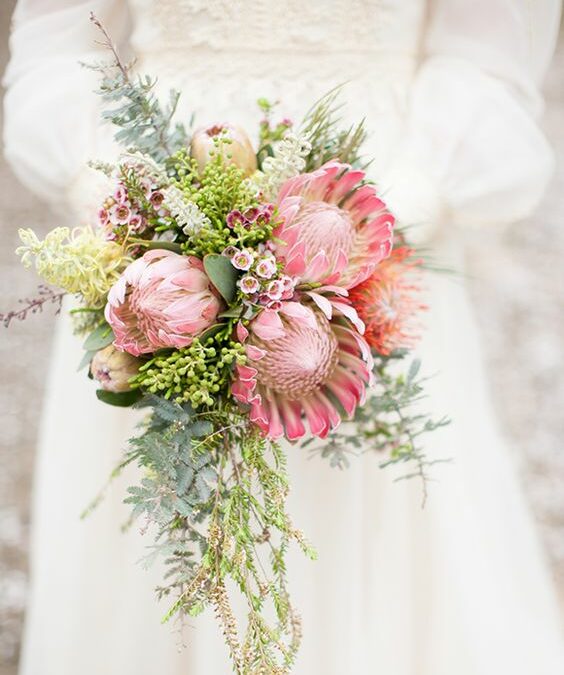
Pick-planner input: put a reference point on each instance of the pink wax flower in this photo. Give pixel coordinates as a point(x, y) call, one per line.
point(300, 364)
point(230, 251)
point(157, 199)
point(136, 223)
point(103, 217)
point(335, 229)
point(161, 300)
point(242, 260)
point(259, 215)
point(235, 217)
point(266, 267)
point(147, 186)
point(120, 194)
point(275, 290)
point(120, 214)
point(249, 284)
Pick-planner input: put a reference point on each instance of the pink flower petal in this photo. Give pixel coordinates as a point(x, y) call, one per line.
point(268, 325)
point(322, 302)
point(254, 353)
point(242, 332)
point(350, 313)
point(299, 312)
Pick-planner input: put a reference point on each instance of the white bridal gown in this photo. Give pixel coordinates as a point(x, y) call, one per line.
point(450, 91)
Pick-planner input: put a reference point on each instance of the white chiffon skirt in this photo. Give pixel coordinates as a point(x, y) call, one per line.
point(459, 588)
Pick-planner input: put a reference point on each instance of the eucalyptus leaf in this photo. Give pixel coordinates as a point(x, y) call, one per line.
point(222, 274)
point(123, 399)
point(99, 338)
point(202, 428)
point(86, 359)
point(166, 245)
point(413, 370)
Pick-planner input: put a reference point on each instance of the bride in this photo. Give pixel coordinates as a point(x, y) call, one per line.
point(450, 91)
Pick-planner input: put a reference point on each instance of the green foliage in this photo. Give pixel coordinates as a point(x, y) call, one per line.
point(217, 191)
point(269, 133)
point(100, 337)
point(143, 123)
point(389, 423)
point(197, 374)
point(122, 399)
point(86, 319)
point(222, 274)
point(322, 128)
point(215, 491)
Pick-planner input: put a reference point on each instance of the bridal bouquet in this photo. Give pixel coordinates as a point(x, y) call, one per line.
point(246, 297)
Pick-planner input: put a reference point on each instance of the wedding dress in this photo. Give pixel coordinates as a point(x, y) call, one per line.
point(450, 91)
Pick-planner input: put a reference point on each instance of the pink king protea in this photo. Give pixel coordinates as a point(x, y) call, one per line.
point(301, 364)
point(161, 300)
point(335, 229)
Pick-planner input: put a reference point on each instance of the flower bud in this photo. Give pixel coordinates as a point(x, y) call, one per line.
point(113, 369)
point(237, 150)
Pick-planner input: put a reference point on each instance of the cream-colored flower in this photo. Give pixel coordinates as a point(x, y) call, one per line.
point(287, 162)
point(227, 139)
point(189, 217)
point(113, 369)
point(78, 261)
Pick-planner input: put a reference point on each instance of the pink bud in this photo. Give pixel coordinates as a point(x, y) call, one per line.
point(120, 214)
point(238, 151)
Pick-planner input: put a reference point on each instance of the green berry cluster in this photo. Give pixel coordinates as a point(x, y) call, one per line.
point(196, 374)
point(218, 190)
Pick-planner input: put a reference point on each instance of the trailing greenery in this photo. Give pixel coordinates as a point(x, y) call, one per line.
point(143, 123)
point(215, 492)
point(390, 423)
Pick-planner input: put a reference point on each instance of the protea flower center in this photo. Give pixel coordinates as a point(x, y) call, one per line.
point(325, 226)
point(298, 363)
point(334, 227)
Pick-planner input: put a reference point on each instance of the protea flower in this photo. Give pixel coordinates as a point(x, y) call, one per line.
point(301, 364)
point(237, 150)
point(335, 229)
point(388, 302)
point(114, 369)
point(161, 300)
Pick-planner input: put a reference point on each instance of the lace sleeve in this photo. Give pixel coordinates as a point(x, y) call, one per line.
point(51, 116)
point(472, 152)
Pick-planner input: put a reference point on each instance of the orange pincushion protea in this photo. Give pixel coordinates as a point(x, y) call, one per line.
point(389, 301)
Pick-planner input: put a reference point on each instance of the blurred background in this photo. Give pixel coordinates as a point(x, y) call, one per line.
point(520, 312)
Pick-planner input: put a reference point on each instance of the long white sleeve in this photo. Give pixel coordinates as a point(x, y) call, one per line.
point(472, 152)
point(52, 118)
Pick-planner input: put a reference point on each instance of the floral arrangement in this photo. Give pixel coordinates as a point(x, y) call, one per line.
point(246, 297)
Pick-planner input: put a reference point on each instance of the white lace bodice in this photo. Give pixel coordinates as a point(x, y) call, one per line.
point(270, 28)
point(224, 54)
point(237, 50)
point(449, 88)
